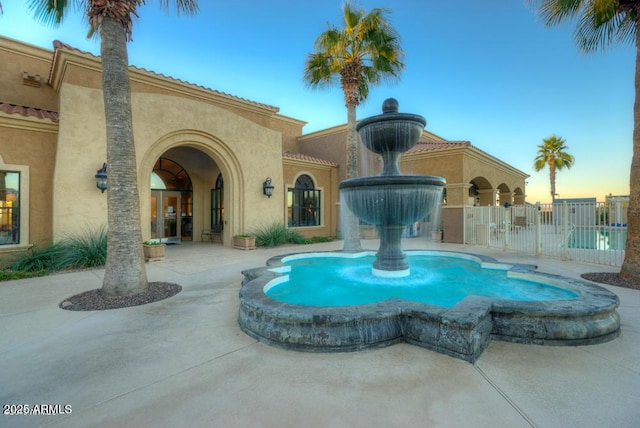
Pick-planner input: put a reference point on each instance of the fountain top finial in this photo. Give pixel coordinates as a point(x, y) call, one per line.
point(390, 105)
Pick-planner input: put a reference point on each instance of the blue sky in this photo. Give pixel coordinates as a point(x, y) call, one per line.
point(487, 72)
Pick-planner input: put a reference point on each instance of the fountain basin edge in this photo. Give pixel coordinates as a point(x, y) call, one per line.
point(463, 331)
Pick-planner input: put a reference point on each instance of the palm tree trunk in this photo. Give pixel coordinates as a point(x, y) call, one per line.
point(352, 225)
point(552, 180)
point(352, 143)
point(125, 270)
point(630, 269)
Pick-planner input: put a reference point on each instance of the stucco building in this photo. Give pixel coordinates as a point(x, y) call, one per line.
point(203, 157)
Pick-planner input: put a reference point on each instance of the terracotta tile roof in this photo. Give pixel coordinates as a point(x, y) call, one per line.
point(301, 156)
point(29, 111)
point(426, 145)
point(57, 44)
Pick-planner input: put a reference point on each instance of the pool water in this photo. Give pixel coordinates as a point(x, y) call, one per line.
point(435, 280)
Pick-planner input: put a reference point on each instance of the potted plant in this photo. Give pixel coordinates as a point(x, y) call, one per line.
point(153, 250)
point(244, 242)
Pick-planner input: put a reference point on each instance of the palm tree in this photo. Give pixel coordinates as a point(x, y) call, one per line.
point(553, 153)
point(125, 272)
point(601, 23)
point(363, 53)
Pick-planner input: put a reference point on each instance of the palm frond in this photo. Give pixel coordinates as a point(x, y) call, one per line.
point(352, 16)
point(604, 24)
point(554, 12)
point(50, 12)
point(599, 22)
point(188, 7)
point(319, 70)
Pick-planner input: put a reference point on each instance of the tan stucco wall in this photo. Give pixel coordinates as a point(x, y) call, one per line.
point(453, 224)
point(325, 178)
point(291, 130)
point(17, 58)
point(329, 144)
point(31, 143)
point(245, 152)
point(461, 165)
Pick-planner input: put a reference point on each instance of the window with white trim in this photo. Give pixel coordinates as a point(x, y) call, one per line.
point(9, 207)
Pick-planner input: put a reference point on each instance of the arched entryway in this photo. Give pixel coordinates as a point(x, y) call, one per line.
point(216, 197)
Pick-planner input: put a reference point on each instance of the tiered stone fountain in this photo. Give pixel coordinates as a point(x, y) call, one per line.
point(391, 201)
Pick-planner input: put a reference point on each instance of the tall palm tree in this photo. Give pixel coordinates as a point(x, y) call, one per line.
point(553, 153)
point(601, 23)
point(125, 272)
point(366, 51)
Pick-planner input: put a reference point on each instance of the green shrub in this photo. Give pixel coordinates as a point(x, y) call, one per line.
point(275, 234)
point(317, 239)
point(9, 275)
point(87, 249)
point(40, 259)
point(294, 237)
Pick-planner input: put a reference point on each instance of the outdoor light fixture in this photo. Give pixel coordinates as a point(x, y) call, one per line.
point(267, 187)
point(101, 178)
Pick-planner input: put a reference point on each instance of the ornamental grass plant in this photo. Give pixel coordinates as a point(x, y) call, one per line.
point(274, 234)
point(84, 250)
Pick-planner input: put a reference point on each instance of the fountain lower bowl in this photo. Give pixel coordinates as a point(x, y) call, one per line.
point(462, 331)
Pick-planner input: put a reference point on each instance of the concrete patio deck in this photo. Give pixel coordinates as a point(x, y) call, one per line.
point(184, 361)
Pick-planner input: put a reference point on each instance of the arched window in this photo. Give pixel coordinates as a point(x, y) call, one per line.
point(303, 203)
point(169, 175)
point(217, 203)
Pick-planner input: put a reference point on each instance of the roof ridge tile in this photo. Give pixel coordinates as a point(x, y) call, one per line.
point(305, 157)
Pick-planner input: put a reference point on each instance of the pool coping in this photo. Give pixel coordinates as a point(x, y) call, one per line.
point(462, 331)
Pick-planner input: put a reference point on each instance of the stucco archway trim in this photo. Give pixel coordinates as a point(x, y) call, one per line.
point(217, 150)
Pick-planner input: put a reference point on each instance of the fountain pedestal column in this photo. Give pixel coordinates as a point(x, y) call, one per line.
point(391, 261)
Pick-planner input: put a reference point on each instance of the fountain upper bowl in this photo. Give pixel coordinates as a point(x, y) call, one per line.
point(391, 132)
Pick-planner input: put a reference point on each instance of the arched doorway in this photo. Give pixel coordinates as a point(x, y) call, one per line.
point(205, 159)
point(171, 202)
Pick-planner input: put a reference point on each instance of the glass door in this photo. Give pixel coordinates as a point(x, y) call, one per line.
point(165, 213)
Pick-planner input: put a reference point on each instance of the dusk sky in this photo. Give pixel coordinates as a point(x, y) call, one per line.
point(487, 72)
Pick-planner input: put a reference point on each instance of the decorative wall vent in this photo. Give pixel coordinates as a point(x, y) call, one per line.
point(31, 79)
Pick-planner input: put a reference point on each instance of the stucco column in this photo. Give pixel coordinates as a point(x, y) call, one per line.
point(457, 193)
point(487, 197)
point(505, 197)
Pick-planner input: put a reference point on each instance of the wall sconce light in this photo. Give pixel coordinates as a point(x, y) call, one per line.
point(267, 187)
point(101, 178)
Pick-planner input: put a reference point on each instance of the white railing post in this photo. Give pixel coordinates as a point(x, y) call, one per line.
point(507, 227)
point(565, 231)
point(538, 229)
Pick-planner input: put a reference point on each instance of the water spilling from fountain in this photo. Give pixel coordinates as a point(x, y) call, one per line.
point(391, 201)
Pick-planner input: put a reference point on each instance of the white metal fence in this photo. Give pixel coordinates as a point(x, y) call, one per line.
point(594, 232)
